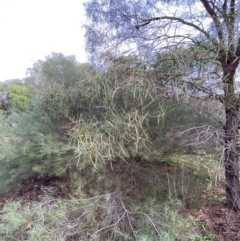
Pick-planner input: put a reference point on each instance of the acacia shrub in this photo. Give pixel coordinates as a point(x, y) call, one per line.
point(116, 112)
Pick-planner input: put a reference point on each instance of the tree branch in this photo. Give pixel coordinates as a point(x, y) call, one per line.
point(238, 48)
point(148, 21)
point(216, 21)
point(205, 90)
point(232, 9)
point(224, 7)
point(229, 20)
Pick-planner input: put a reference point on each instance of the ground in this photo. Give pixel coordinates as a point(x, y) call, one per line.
point(34, 189)
point(214, 219)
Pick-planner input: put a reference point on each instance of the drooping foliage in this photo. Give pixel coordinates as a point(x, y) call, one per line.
point(109, 139)
point(109, 114)
point(152, 28)
point(112, 112)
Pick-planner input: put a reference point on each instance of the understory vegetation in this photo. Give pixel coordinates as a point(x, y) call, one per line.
point(89, 154)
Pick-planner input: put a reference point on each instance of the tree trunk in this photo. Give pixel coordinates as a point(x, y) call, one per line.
point(231, 161)
point(231, 158)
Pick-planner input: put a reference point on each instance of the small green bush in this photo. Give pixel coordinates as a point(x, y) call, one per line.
point(20, 97)
point(29, 146)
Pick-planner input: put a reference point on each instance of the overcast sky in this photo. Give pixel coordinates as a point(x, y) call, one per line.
point(32, 29)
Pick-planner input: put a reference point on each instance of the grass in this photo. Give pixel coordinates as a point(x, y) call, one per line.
point(119, 201)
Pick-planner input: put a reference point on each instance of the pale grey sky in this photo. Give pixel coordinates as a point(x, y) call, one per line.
point(32, 29)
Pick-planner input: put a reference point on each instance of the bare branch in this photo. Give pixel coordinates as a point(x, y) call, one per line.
point(216, 21)
point(148, 21)
point(196, 135)
point(238, 48)
point(224, 7)
point(229, 19)
point(200, 88)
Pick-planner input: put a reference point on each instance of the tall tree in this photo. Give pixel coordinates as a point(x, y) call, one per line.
point(153, 27)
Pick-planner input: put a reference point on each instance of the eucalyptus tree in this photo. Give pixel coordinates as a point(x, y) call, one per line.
point(152, 27)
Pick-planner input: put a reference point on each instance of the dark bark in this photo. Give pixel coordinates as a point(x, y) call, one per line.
point(231, 157)
point(231, 160)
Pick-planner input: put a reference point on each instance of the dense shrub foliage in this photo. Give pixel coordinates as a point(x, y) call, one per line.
point(20, 97)
point(108, 135)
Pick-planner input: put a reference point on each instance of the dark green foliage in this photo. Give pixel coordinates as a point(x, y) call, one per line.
point(30, 146)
